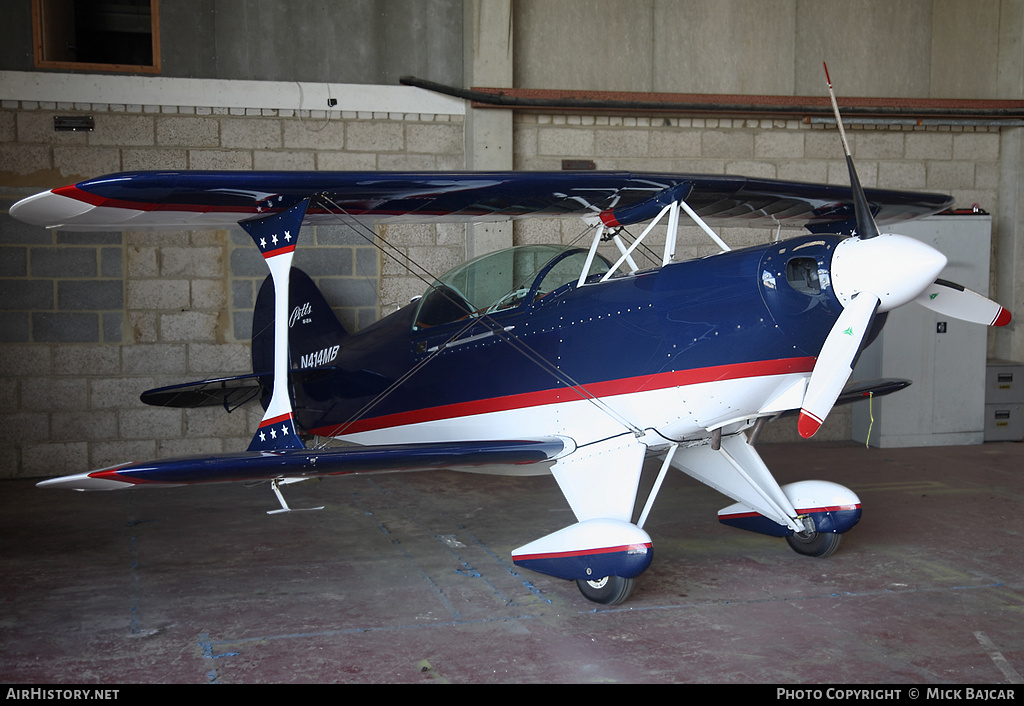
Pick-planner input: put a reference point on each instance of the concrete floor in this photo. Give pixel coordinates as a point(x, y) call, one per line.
point(407, 578)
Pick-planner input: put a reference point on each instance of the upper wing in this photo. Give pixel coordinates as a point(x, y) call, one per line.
point(308, 463)
point(211, 199)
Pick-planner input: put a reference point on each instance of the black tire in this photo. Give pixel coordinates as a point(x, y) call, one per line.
point(820, 544)
point(610, 590)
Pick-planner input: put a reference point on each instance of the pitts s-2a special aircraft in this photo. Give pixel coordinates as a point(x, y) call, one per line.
point(551, 359)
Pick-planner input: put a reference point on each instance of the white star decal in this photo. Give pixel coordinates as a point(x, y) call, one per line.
point(273, 433)
point(284, 430)
point(273, 239)
point(263, 437)
point(263, 243)
point(288, 236)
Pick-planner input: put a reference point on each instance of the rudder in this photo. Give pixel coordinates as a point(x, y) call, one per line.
point(314, 332)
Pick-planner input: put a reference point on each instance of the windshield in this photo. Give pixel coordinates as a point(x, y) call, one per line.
point(502, 280)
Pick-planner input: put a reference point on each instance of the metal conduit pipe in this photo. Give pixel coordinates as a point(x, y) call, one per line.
point(965, 122)
point(876, 111)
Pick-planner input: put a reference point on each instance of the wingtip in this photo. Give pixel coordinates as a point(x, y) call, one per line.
point(1003, 317)
point(90, 480)
point(47, 209)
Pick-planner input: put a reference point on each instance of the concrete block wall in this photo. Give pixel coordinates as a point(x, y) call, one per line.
point(925, 48)
point(88, 321)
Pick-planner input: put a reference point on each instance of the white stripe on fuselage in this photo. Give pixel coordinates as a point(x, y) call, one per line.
point(672, 413)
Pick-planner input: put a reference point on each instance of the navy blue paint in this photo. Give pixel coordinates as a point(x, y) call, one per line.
point(355, 459)
point(712, 312)
point(632, 198)
point(756, 523)
point(838, 521)
point(691, 315)
point(627, 564)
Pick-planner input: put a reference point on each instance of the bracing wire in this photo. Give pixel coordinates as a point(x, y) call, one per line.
point(346, 218)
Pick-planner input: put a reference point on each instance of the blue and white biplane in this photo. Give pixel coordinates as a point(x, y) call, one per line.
point(551, 359)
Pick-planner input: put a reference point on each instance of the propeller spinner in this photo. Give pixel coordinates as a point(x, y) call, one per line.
point(873, 273)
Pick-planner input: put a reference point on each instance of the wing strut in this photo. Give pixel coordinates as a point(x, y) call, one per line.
point(276, 236)
point(627, 255)
point(704, 226)
point(598, 234)
point(669, 212)
point(669, 455)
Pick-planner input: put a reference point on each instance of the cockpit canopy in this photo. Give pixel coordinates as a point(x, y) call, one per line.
point(502, 280)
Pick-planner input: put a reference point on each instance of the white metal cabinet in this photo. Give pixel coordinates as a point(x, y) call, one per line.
point(944, 357)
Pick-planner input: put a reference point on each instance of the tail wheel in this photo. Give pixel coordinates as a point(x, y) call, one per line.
point(609, 590)
point(819, 544)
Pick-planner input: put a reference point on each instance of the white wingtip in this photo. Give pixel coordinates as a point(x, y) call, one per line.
point(48, 209)
point(83, 481)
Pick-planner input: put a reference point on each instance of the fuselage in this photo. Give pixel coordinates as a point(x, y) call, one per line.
point(674, 351)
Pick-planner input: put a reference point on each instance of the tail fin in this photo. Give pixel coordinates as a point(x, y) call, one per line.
point(314, 332)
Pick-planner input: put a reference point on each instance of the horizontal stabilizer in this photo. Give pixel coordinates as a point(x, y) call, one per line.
point(307, 463)
point(232, 392)
point(856, 391)
point(227, 392)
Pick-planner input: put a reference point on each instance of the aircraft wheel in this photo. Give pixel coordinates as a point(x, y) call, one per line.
point(819, 544)
point(607, 591)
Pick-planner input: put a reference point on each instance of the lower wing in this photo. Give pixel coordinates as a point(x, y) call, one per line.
point(297, 464)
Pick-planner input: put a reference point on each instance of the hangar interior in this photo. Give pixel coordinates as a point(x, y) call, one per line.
point(91, 320)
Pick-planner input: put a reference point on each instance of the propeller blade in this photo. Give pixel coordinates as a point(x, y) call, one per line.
point(951, 299)
point(835, 362)
point(866, 227)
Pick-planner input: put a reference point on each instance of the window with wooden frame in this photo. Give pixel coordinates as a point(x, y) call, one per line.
point(97, 35)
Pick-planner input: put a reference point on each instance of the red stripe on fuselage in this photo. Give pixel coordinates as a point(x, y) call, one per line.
point(610, 388)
